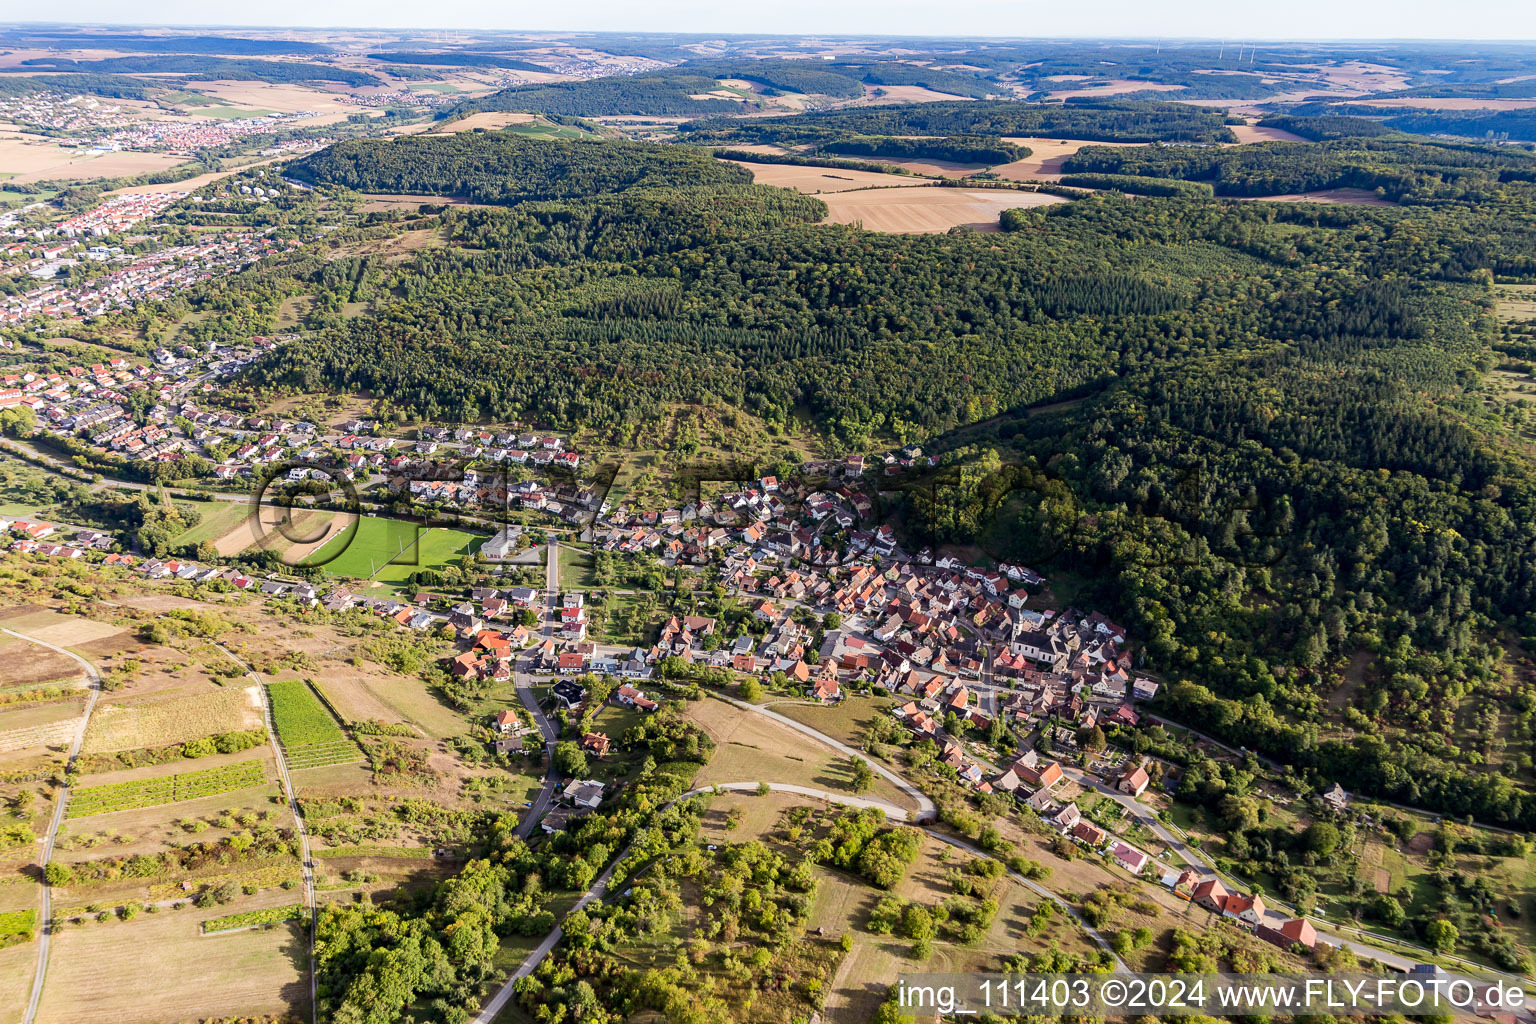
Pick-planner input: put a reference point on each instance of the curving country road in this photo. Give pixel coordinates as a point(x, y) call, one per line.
point(1327, 930)
point(926, 811)
point(44, 932)
point(599, 887)
point(861, 802)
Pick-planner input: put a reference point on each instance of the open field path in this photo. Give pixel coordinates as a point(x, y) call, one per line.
point(305, 859)
point(44, 933)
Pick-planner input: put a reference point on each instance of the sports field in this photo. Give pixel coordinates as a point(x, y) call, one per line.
point(391, 550)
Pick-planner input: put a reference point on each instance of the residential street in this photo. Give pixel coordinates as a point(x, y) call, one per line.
point(523, 681)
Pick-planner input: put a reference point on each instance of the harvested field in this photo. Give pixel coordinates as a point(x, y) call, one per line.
point(926, 209)
point(1346, 196)
point(160, 967)
point(930, 168)
point(1359, 76)
point(491, 120)
point(57, 731)
point(900, 94)
point(72, 632)
point(158, 723)
point(1451, 103)
point(1114, 87)
point(1247, 133)
point(30, 161)
point(283, 97)
point(1046, 157)
point(814, 180)
point(17, 965)
point(294, 533)
point(36, 665)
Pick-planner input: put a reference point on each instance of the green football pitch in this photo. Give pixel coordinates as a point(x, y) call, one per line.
point(390, 550)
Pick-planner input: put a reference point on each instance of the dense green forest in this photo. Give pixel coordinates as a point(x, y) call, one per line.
point(1475, 124)
point(656, 94)
point(964, 149)
point(119, 87)
point(1104, 120)
point(1318, 128)
point(64, 38)
point(506, 168)
point(1277, 462)
point(1420, 171)
point(208, 69)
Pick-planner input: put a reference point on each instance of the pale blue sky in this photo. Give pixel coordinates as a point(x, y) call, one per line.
point(1215, 19)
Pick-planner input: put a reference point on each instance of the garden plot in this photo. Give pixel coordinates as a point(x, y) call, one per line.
point(310, 734)
point(123, 796)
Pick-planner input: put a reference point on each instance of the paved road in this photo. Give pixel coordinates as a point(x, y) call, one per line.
point(599, 887)
point(523, 682)
point(861, 802)
point(1142, 813)
point(1328, 930)
point(305, 859)
point(926, 811)
point(44, 932)
point(542, 802)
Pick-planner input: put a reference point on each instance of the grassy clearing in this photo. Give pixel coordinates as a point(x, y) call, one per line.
point(1515, 301)
point(846, 721)
point(161, 723)
point(576, 568)
point(216, 519)
point(753, 748)
point(123, 796)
